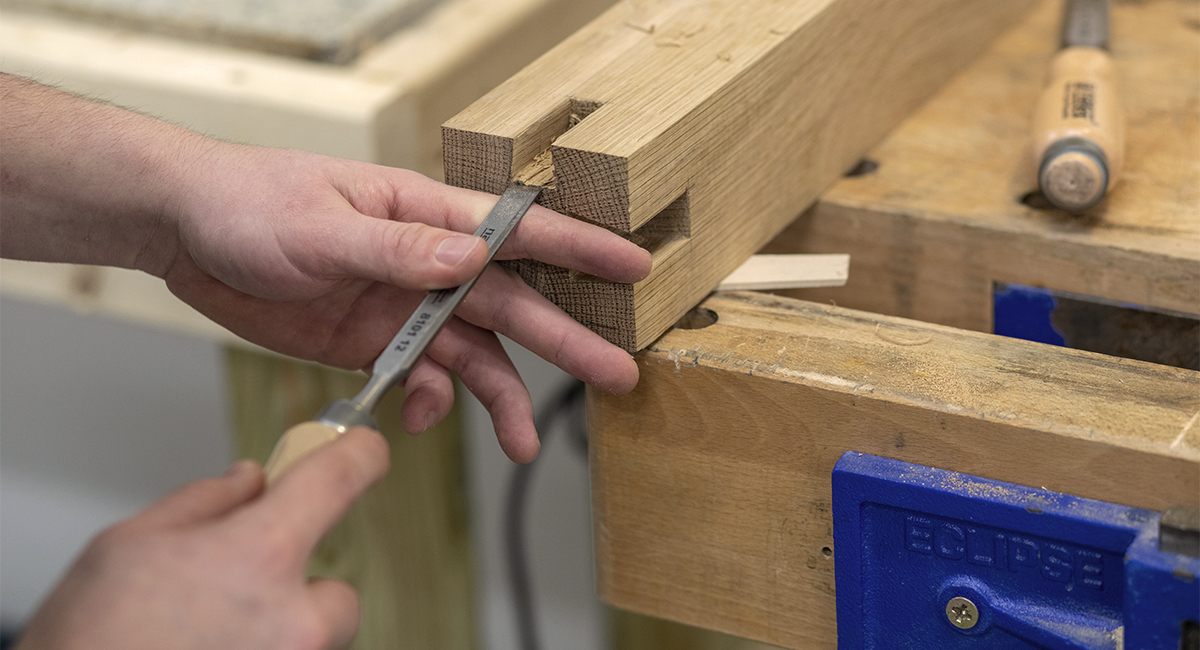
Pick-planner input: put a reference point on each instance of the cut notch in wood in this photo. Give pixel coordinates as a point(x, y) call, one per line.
point(751, 121)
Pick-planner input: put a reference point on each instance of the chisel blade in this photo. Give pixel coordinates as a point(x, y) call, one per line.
point(401, 355)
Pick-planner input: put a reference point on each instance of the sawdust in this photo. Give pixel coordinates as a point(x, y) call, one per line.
point(540, 172)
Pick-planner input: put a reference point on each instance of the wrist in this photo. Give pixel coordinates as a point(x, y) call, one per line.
point(89, 183)
point(174, 161)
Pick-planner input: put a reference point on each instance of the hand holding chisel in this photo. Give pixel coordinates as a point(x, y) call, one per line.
point(401, 355)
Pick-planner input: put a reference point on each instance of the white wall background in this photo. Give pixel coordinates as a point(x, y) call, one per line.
point(98, 418)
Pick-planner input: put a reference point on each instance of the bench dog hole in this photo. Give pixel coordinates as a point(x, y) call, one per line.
point(697, 319)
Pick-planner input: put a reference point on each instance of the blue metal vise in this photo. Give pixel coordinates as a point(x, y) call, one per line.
point(930, 559)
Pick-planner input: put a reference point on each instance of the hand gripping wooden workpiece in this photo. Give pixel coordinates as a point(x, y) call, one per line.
point(700, 129)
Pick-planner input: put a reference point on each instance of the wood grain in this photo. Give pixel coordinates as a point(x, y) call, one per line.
point(710, 481)
point(702, 129)
point(941, 218)
point(405, 546)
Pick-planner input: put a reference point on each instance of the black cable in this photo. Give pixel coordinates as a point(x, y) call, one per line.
point(567, 400)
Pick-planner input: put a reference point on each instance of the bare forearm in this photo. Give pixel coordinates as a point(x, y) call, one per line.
point(86, 182)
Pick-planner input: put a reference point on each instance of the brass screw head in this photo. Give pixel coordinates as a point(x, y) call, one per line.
point(962, 613)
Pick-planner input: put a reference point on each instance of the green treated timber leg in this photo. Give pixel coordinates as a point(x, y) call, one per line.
point(406, 545)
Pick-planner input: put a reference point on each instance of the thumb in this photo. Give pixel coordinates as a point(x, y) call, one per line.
point(407, 255)
point(205, 499)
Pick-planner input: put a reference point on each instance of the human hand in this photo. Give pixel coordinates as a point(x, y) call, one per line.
point(307, 255)
point(219, 564)
point(324, 259)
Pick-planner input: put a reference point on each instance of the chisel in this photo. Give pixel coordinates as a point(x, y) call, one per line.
point(1079, 126)
point(401, 355)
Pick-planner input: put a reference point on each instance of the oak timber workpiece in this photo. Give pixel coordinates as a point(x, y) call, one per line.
point(938, 222)
point(702, 129)
point(711, 480)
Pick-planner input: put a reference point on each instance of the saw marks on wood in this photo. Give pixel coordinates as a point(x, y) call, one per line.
point(711, 125)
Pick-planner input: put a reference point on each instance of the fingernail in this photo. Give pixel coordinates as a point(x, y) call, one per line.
point(239, 468)
point(453, 250)
point(430, 420)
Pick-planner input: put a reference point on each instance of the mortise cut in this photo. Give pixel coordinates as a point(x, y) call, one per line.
point(672, 224)
point(533, 163)
point(661, 235)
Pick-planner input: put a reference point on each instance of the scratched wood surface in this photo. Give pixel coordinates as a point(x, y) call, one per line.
point(405, 546)
point(942, 217)
point(324, 30)
point(710, 481)
point(702, 129)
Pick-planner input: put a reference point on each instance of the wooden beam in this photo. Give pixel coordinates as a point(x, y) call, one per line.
point(710, 481)
point(702, 129)
point(936, 223)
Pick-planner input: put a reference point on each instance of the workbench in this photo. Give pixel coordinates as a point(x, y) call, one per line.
point(712, 480)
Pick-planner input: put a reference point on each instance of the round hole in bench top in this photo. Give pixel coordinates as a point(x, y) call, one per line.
point(696, 319)
point(1037, 200)
point(862, 168)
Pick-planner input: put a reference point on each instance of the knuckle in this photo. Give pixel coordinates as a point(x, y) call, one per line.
point(462, 365)
point(400, 241)
point(562, 351)
point(280, 546)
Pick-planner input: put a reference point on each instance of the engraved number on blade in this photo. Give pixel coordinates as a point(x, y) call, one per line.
point(411, 330)
point(435, 310)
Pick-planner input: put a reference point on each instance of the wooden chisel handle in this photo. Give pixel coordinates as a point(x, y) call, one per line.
point(1079, 129)
point(295, 443)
